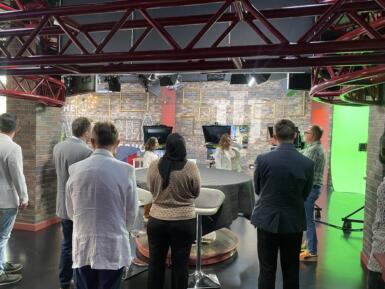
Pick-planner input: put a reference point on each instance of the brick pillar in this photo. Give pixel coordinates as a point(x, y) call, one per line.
point(374, 175)
point(40, 131)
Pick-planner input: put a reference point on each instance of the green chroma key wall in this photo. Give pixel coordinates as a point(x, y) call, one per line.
point(348, 165)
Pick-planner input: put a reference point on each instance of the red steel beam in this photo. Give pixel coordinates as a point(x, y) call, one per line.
point(209, 24)
point(356, 46)
point(223, 65)
point(286, 12)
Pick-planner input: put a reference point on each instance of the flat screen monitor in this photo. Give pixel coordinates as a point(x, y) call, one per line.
point(213, 133)
point(298, 143)
point(161, 132)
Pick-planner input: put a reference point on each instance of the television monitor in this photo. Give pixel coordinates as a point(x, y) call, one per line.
point(161, 132)
point(213, 133)
point(298, 143)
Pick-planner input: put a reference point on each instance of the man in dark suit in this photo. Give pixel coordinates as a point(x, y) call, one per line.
point(66, 153)
point(283, 179)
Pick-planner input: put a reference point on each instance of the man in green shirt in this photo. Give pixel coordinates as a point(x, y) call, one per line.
point(316, 153)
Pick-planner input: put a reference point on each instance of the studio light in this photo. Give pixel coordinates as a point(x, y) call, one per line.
point(251, 81)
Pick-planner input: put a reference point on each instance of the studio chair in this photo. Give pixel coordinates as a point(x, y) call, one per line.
point(207, 204)
point(137, 266)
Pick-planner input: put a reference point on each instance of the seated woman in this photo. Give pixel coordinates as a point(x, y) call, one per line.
point(149, 155)
point(174, 183)
point(227, 156)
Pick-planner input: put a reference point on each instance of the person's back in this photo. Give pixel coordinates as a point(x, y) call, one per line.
point(100, 187)
point(283, 179)
point(176, 202)
point(66, 153)
point(13, 193)
point(174, 183)
point(11, 184)
point(283, 185)
point(102, 201)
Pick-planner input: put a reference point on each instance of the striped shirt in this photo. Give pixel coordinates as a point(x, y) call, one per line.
point(316, 153)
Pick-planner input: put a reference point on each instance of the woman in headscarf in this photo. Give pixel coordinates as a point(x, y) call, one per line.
point(174, 183)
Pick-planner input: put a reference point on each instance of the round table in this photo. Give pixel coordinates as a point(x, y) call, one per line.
point(237, 187)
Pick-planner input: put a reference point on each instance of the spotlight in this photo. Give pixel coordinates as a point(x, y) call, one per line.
point(251, 81)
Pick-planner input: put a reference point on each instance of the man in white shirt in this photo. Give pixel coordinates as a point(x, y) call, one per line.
point(66, 153)
point(13, 193)
point(102, 201)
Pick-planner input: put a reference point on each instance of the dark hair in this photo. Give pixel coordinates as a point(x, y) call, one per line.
point(105, 134)
point(174, 159)
point(285, 130)
point(8, 123)
point(317, 132)
point(80, 126)
point(150, 144)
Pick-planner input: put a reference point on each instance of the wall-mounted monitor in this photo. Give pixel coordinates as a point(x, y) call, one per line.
point(161, 132)
point(213, 133)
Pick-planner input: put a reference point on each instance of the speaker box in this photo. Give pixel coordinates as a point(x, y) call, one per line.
point(299, 81)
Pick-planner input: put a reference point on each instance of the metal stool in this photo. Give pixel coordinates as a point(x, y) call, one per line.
point(207, 204)
point(144, 198)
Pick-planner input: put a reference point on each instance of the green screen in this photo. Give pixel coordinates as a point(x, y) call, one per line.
point(348, 165)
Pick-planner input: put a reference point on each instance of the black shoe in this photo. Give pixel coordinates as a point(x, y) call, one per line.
point(6, 279)
point(12, 267)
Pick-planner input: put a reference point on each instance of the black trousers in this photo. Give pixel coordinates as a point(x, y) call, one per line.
point(65, 265)
point(375, 280)
point(162, 235)
point(87, 278)
point(289, 247)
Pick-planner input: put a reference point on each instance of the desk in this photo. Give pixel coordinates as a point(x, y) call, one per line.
point(237, 187)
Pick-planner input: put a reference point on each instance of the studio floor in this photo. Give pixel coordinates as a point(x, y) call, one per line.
point(338, 266)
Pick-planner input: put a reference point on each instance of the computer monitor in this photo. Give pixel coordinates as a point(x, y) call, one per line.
point(213, 133)
point(298, 143)
point(161, 132)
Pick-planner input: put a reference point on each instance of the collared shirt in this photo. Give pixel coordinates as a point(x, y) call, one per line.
point(13, 188)
point(102, 201)
point(316, 153)
point(378, 229)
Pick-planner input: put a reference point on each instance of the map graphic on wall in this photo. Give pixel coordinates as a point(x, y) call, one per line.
point(240, 134)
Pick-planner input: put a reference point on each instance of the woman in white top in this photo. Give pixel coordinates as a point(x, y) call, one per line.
point(149, 155)
point(225, 154)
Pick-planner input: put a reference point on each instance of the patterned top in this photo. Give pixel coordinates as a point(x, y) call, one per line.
point(378, 228)
point(316, 153)
point(176, 202)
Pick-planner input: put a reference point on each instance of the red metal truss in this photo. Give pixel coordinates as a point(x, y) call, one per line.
point(42, 89)
point(358, 24)
point(358, 84)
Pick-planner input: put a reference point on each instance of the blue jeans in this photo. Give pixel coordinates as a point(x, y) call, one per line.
point(87, 278)
point(65, 265)
point(7, 220)
point(311, 233)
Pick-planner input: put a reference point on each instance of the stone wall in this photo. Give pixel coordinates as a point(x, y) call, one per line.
point(374, 173)
point(198, 103)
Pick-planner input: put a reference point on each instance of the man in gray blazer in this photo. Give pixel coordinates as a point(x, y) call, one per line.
point(66, 153)
point(283, 179)
point(102, 201)
point(13, 193)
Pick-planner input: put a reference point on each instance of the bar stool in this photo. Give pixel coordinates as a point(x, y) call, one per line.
point(207, 204)
point(136, 267)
